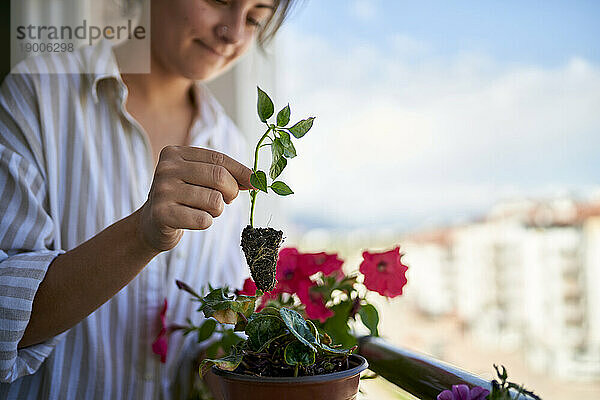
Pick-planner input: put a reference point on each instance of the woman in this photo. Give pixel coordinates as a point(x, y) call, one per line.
point(81, 294)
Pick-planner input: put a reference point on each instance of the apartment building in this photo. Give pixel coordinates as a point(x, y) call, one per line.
point(524, 277)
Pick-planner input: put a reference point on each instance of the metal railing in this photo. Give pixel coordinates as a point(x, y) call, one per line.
point(420, 375)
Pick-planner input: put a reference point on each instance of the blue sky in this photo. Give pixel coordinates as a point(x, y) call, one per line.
point(433, 111)
point(545, 32)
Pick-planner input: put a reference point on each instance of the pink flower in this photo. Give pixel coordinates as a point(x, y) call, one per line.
point(294, 270)
point(289, 274)
point(463, 392)
point(161, 343)
point(311, 263)
point(249, 288)
point(314, 304)
point(384, 272)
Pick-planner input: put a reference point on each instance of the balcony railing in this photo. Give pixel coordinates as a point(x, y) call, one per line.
point(422, 376)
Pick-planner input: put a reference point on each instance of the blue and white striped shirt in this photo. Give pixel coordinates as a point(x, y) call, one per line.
point(72, 162)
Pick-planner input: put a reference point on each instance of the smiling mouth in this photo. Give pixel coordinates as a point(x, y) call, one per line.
point(207, 47)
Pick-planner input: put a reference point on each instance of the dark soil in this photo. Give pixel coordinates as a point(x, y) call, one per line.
point(263, 364)
point(261, 247)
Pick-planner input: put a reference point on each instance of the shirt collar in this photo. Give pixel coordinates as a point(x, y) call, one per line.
point(101, 62)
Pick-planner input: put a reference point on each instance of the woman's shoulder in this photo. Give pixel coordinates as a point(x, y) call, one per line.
point(67, 68)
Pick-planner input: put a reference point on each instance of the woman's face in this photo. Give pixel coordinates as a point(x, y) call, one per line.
point(199, 39)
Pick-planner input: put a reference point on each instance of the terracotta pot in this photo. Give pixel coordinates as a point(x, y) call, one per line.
point(341, 385)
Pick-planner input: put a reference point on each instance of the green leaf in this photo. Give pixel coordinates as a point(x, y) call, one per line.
point(278, 163)
point(314, 330)
point(281, 188)
point(284, 338)
point(228, 363)
point(263, 328)
point(224, 307)
point(276, 150)
point(301, 127)
point(337, 325)
point(337, 351)
point(227, 341)
point(271, 311)
point(283, 116)
point(264, 105)
point(289, 150)
point(277, 168)
point(259, 181)
point(298, 327)
point(370, 317)
point(206, 330)
point(298, 353)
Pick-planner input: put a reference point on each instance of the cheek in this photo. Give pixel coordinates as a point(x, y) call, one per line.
point(199, 18)
point(174, 20)
point(242, 49)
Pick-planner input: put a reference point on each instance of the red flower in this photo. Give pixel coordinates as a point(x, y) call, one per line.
point(314, 305)
point(294, 270)
point(384, 272)
point(289, 273)
point(311, 263)
point(249, 288)
point(160, 344)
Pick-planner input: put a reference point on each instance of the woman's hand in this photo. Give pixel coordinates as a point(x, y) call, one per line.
point(191, 187)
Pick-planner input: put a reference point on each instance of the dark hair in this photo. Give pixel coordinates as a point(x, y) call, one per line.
point(282, 11)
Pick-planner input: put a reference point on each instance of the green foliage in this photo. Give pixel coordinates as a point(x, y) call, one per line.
point(227, 363)
point(283, 116)
point(227, 340)
point(298, 327)
point(501, 388)
point(276, 335)
point(336, 350)
point(282, 147)
point(370, 317)
point(302, 127)
point(206, 330)
point(277, 167)
point(264, 106)
point(227, 308)
point(299, 353)
point(337, 325)
point(258, 179)
point(289, 151)
point(281, 188)
point(261, 328)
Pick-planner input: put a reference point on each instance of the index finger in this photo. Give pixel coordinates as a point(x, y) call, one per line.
point(239, 171)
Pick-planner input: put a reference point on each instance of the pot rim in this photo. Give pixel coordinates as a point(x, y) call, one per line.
point(363, 364)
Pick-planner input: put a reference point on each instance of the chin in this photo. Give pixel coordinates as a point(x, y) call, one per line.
point(208, 73)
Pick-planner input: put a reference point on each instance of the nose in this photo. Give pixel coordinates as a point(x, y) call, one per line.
point(232, 26)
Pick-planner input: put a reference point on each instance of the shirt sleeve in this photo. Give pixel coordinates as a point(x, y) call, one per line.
point(27, 231)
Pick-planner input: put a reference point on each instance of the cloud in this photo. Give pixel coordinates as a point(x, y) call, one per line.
point(396, 138)
point(364, 10)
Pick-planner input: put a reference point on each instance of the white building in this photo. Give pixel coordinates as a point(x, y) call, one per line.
point(525, 277)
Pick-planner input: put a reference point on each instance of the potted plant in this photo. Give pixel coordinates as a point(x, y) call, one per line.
point(283, 350)
point(283, 355)
point(337, 300)
point(261, 245)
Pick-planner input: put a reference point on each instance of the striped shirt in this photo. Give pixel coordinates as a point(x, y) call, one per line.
point(72, 162)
